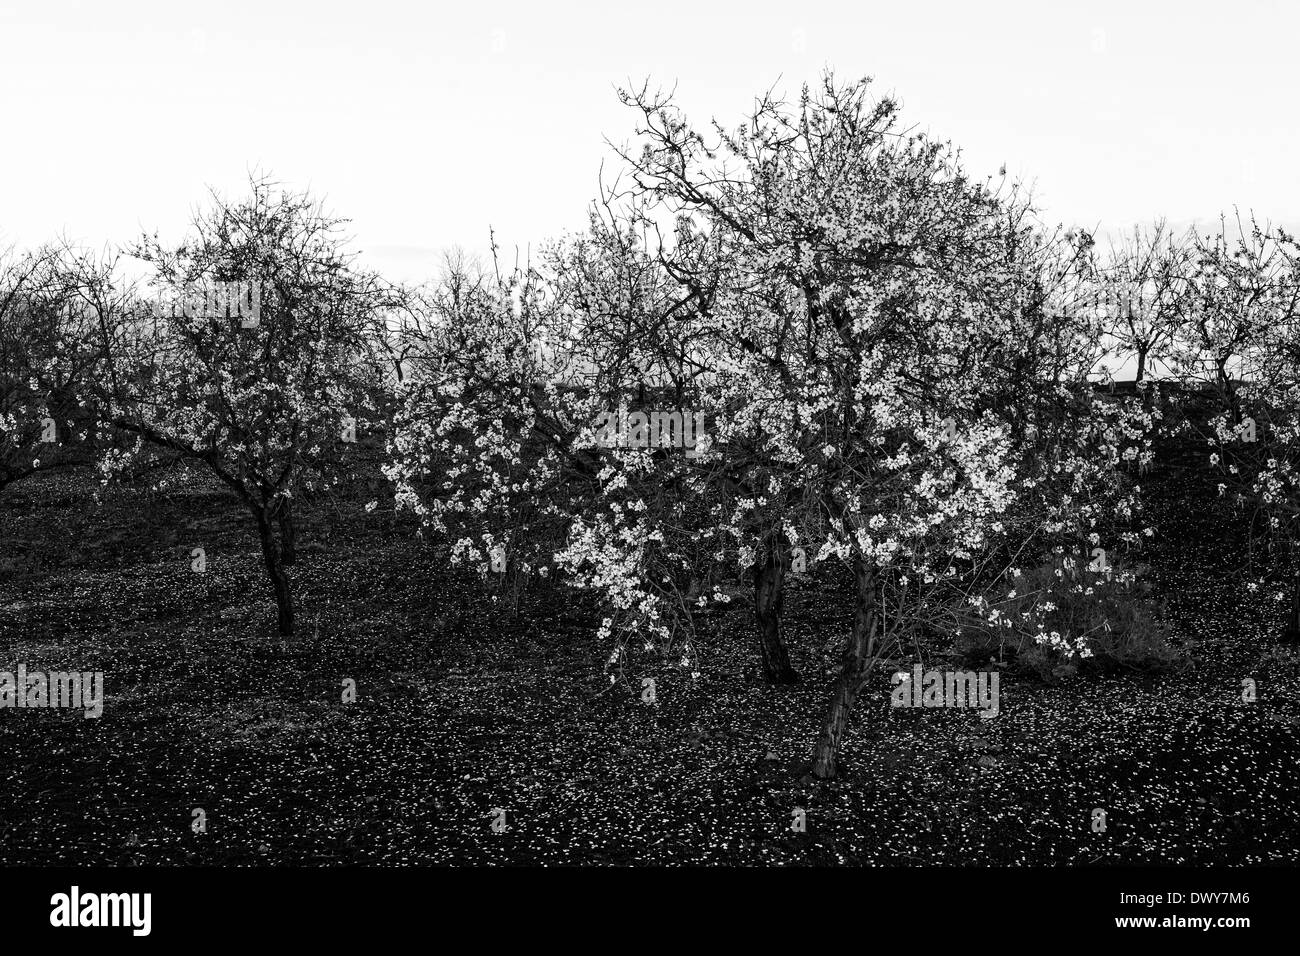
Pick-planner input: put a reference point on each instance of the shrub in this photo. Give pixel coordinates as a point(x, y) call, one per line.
point(1088, 621)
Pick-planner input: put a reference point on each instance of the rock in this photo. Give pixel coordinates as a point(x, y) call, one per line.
point(771, 755)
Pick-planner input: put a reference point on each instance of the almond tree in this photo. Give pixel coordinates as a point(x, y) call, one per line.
point(865, 332)
point(1142, 290)
point(252, 359)
point(495, 446)
point(476, 450)
point(864, 342)
point(1238, 284)
point(1240, 349)
point(507, 421)
point(46, 349)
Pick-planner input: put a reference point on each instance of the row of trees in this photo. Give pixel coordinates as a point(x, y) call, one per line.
point(1197, 306)
point(830, 346)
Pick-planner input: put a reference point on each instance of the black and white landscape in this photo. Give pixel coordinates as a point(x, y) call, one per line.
point(756, 436)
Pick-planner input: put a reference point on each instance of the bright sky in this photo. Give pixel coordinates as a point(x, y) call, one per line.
point(428, 123)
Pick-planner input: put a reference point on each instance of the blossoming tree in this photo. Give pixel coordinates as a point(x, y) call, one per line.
point(867, 335)
point(47, 338)
point(1240, 345)
point(877, 335)
point(253, 358)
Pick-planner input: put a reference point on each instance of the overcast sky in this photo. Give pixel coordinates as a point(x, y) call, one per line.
point(428, 123)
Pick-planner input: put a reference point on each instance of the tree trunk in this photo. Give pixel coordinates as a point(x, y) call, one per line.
point(272, 558)
point(859, 658)
point(769, 593)
point(1229, 390)
point(288, 533)
point(1142, 363)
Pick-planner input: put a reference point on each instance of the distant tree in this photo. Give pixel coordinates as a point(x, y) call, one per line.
point(46, 350)
point(1241, 350)
point(1142, 290)
point(1239, 284)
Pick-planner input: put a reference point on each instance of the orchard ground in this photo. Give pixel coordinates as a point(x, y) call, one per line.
point(464, 709)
